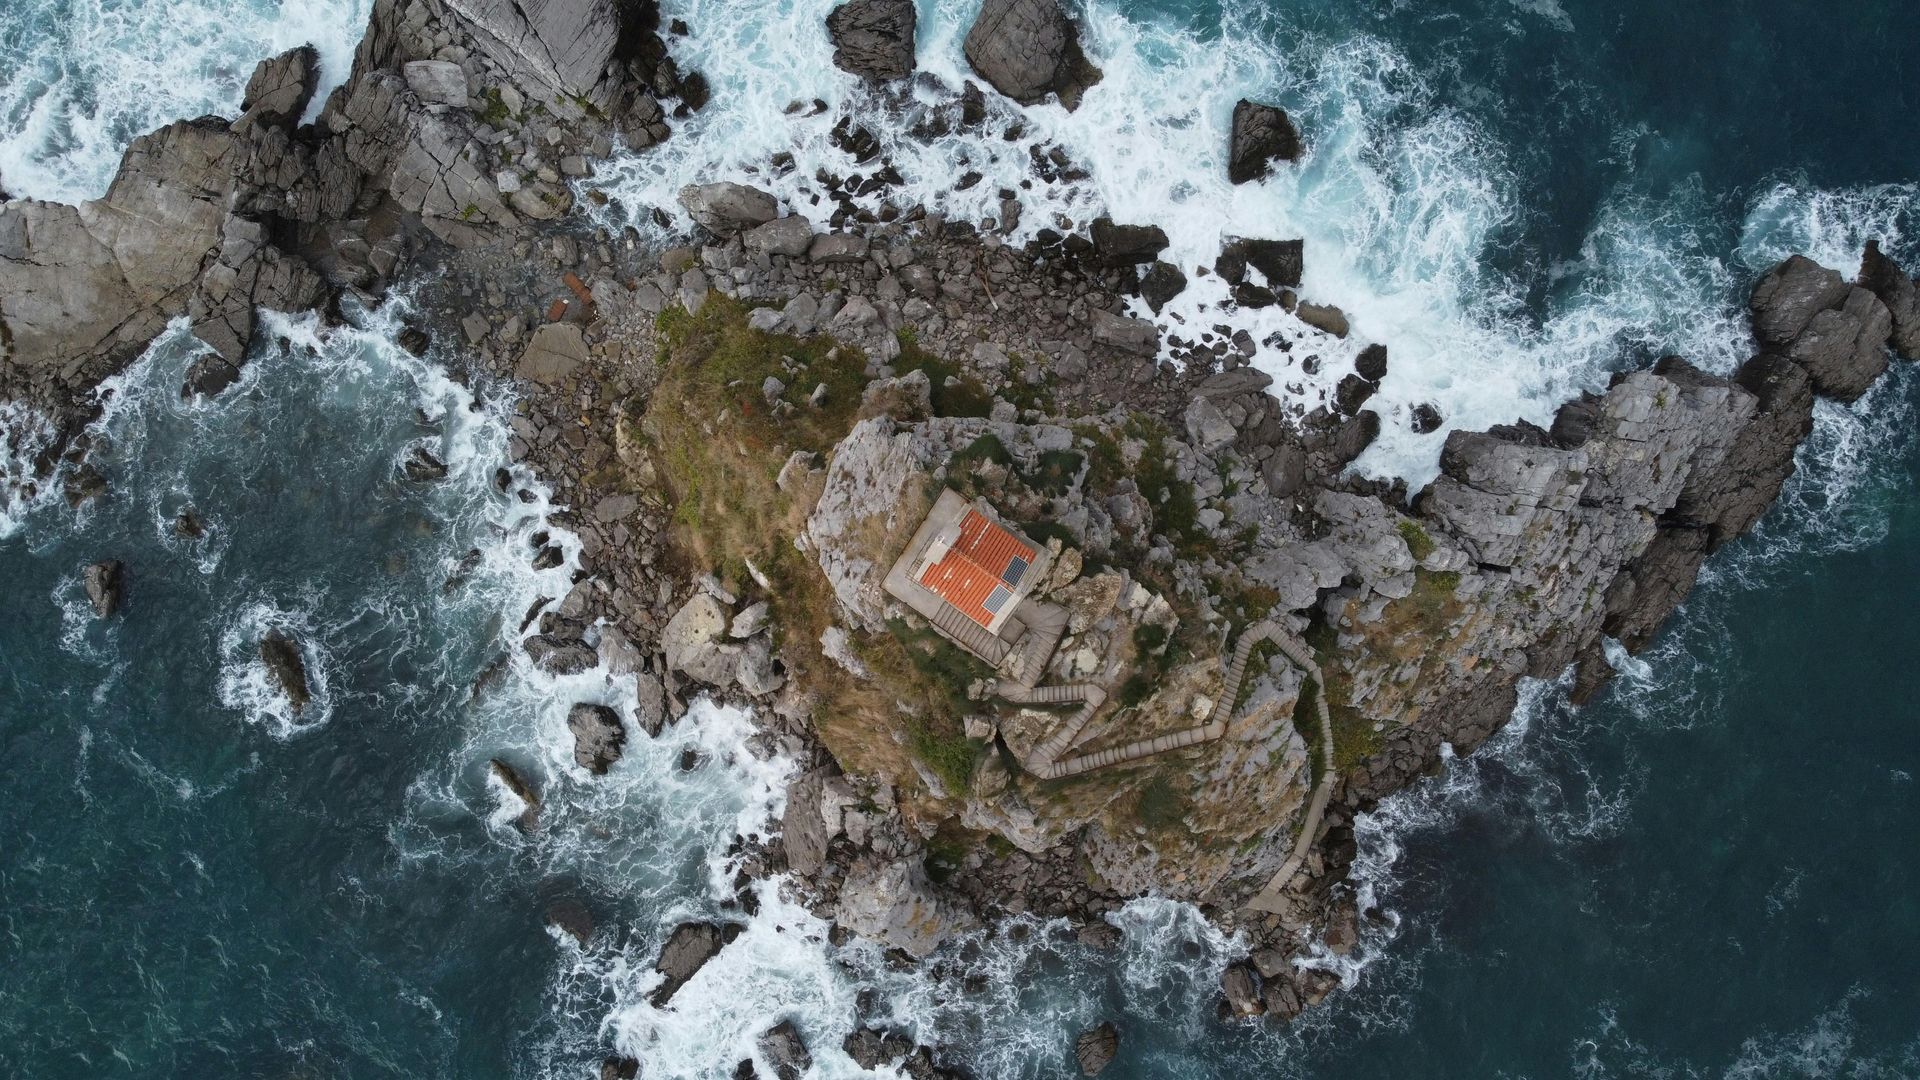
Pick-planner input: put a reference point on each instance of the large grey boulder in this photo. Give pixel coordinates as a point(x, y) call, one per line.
point(249, 273)
point(727, 208)
point(1884, 278)
point(429, 158)
point(1136, 336)
point(1262, 135)
point(696, 645)
point(1027, 49)
point(893, 902)
point(873, 38)
point(553, 354)
point(789, 236)
point(597, 737)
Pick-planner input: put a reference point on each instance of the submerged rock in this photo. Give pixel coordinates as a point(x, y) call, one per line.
point(514, 782)
point(281, 653)
point(597, 737)
point(105, 583)
point(1096, 1047)
point(423, 467)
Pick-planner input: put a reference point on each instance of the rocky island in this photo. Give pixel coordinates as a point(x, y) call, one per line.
point(1054, 602)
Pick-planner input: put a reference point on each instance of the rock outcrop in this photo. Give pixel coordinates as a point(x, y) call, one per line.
point(894, 903)
point(1027, 49)
point(597, 737)
point(1262, 135)
point(288, 668)
point(105, 583)
point(873, 38)
point(1838, 332)
point(1881, 276)
point(784, 1050)
point(686, 951)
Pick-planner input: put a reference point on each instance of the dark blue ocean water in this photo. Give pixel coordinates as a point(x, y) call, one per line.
point(1708, 872)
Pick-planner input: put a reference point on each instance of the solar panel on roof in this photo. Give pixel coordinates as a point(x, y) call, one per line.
point(1016, 568)
point(998, 598)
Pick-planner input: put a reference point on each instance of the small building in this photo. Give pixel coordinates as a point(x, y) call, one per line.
point(972, 576)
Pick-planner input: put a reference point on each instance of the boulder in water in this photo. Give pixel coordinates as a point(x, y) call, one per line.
point(511, 779)
point(188, 526)
point(1425, 419)
point(1096, 1047)
point(1789, 296)
point(873, 38)
point(281, 653)
point(83, 484)
point(1324, 317)
point(597, 737)
point(1262, 135)
point(619, 1068)
point(1845, 348)
point(687, 950)
point(559, 655)
point(105, 583)
point(1371, 364)
point(786, 1051)
point(1281, 262)
point(207, 376)
point(1162, 283)
point(1027, 49)
point(423, 466)
point(569, 915)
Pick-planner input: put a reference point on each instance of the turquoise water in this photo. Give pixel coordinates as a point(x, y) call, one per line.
point(1708, 872)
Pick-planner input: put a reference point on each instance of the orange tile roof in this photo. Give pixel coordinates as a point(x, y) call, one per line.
point(985, 558)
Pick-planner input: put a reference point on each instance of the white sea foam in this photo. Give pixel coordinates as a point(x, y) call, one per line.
point(79, 79)
point(25, 435)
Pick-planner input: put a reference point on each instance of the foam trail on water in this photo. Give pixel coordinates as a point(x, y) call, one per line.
point(79, 79)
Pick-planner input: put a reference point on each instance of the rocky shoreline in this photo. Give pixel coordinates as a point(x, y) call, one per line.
point(909, 352)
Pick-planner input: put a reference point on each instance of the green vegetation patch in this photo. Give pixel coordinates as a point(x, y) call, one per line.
point(966, 396)
point(1419, 544)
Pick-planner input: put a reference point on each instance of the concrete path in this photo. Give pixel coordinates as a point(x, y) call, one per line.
point(1049, 761)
